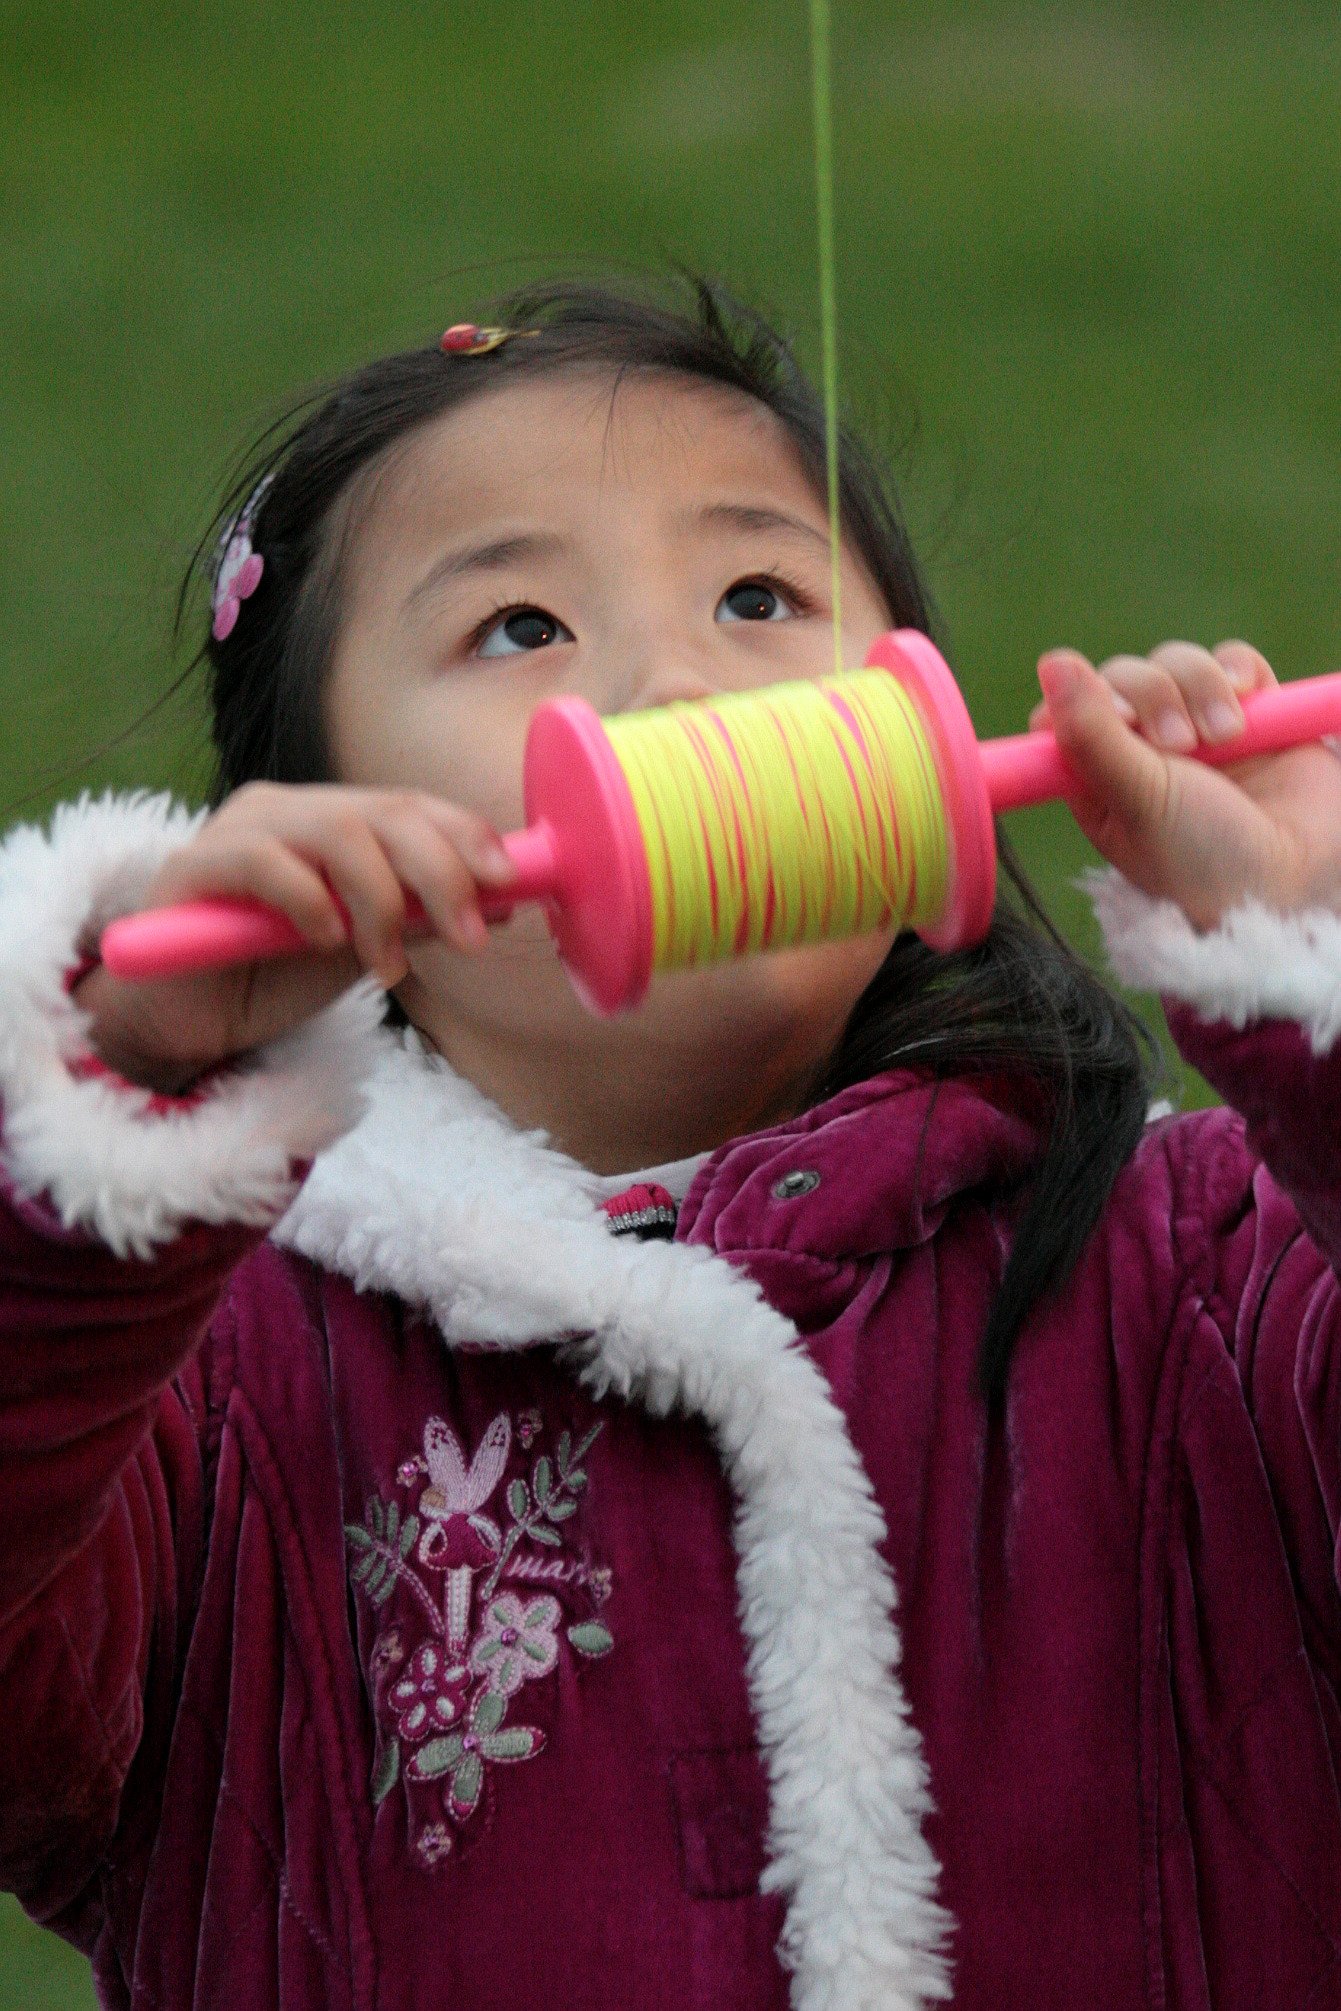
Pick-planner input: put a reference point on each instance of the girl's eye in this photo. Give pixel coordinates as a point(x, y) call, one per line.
point(521, 629)
point(753, 600)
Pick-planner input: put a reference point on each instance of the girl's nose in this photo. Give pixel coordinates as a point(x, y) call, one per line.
point(659, 666)
point(666, 684)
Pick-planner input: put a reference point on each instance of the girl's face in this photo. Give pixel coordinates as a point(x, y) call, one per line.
point(633, 544)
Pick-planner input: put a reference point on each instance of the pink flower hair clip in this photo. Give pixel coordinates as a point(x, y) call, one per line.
point(238, 571)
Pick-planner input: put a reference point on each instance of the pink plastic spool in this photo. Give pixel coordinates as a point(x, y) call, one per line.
point(582, 851)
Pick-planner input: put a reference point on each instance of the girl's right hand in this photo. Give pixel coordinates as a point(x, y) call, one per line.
point(293, 847)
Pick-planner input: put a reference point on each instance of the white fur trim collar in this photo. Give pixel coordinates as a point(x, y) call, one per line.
point(1256, 964)
point(498, 1237)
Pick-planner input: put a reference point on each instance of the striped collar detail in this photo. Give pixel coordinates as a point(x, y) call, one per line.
point(646, 1210)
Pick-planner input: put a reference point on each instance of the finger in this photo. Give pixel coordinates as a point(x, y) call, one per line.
point(261, 868)
point(1206, 687)
point(1248, 668)
point(473, 837)
point(1123, 777)
point(1153, 693)
point(430, 865)
point(360, 873)
point(1040, 718)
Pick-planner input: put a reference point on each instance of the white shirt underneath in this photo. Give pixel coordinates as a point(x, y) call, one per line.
point(675, 1177)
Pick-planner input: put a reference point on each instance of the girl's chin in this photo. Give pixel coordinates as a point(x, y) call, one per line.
point(749, 999)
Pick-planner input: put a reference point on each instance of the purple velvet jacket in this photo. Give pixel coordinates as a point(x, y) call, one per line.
point(442, 1601)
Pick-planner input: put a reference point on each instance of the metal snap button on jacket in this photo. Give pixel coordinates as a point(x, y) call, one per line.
point(802, 1181)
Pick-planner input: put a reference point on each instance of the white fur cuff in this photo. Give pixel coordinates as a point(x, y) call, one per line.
point(94, 1147)
point(1255, 964)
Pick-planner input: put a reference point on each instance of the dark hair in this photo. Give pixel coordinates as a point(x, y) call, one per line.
point(1020, 1004)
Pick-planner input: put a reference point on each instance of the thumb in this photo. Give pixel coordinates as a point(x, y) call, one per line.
point(1122, 777)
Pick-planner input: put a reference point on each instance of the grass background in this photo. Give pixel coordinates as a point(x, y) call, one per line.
point(1087, 293)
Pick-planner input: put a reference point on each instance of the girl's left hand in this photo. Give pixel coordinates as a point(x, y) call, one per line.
point(1267, 828)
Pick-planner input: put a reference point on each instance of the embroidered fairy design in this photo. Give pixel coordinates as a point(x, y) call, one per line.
point(443, 1713)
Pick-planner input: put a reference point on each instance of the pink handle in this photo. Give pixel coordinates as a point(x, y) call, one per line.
point(203, 935)
point(1026, 768)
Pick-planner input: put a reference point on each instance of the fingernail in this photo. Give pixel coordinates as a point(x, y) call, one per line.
point(1058, 677)
point(1222, 719)
point(1239, 676)
point(470, 927)
point(496, 860)
point(1174, 729)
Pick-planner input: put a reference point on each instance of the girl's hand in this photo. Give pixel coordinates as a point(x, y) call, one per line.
point(294, 847)
point(1268, 827)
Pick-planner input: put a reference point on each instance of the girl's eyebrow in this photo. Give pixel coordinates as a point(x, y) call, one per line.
point(489, 557)
point(757, 517)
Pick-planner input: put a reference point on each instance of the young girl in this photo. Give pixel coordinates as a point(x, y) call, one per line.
point(797, 1495)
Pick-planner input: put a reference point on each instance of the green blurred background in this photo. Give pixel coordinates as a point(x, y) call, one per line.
point(1088, 265)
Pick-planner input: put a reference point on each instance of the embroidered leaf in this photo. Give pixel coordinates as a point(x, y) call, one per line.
point(358, 1572)
point(543, 1535)
point(544, 1480)
point(386, 1772)
point(358, 1536)
point(577, 1481)
point(487, 1715)
point(518, 1742)
point(466, 1784)
point(565, 1447)
point(376, 1516)
point(518, 1499)
point(589, 1441)
point(559, 1511)
point(392, 1520)
point(409, 1530)
point(384, 1590)
point(539, 1651)
point(486, 1651)
point(376, 1572)
point(590, 1638)
point(435, 1757)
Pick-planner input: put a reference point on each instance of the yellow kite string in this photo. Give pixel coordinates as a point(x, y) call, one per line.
point(805, 811)
point(822, 119)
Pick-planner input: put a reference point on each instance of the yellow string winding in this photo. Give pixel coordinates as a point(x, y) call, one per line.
point(796, 814)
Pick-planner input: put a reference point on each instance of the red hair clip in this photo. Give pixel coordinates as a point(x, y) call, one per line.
point(463, 338)
point(466, 338)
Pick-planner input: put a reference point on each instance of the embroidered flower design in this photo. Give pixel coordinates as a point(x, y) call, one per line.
point(601, 1582)
point(463, 1756)
point(442, 1715)
point(429, 1696)
point(433, 1843)
point(516, 1642)
point(456, 1538)
point(388, 1650)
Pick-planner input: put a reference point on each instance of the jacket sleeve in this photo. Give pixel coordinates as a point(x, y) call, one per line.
point(1255, 1006)
point(121, 1217)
